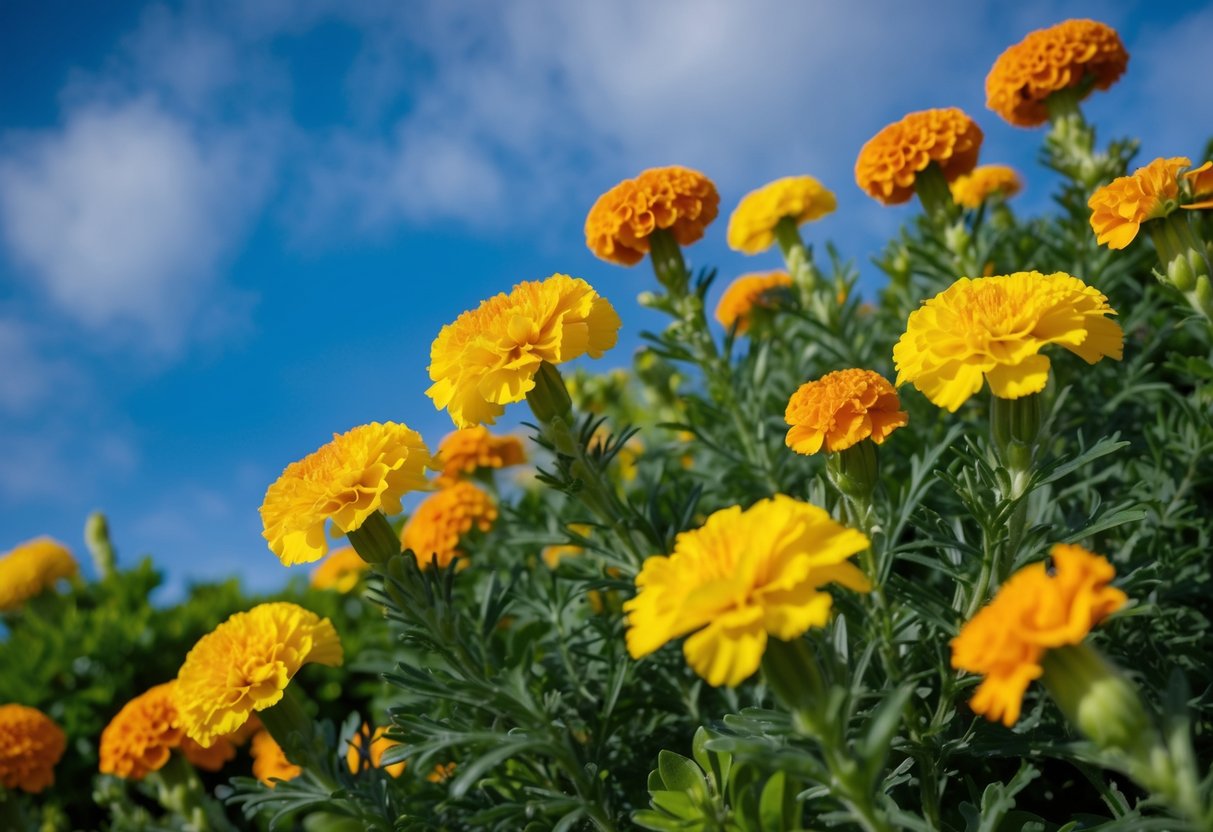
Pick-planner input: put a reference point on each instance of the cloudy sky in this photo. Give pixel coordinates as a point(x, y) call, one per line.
point(230, 229)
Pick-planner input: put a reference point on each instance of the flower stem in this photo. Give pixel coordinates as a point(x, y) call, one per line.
point(668, 263)
point(375, 541)
point(1185, 264)
point(799, 261)
point(933, 192)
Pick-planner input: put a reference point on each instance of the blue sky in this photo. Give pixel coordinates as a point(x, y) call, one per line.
point(228, 230)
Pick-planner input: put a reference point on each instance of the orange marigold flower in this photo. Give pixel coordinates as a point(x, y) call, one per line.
point(379, 743)
point(269, 760)
point(489, 356)
point(1052, 59)
point(984, 182)
point(552, 555)
point(441, 773)
point(220, 752)
point(30, 746)
point(841, 409)
point(443, 518)
point(32, 568)
point(679, 199)
point(1038, 608)
point(245, 664)
point(465, 451)
point(1200, 184)
point(747, 292)
point(892, 159)
point(993, 328)
point(340, 571)
point(1119, 208)
point(361, 471)
point(799, 198)
point(140, 738)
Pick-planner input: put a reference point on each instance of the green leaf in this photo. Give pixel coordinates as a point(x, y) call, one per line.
point(680, 774)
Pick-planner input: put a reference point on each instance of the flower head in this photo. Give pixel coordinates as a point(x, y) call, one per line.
point(993, 328)
point(892, 159)
point(245, 664)
point(340, 571)
point(1119, 208)
point(679, 199)
point(1200, 185)
point(740, 577)
point(32, 568)
point(466, 451)
point(1038, 608)
point(140, 738)
point(841, 409)
point(443, 518)
point(30, 746)
point(269, 760)
point(747, 292)
point(984, 182)
point(489, 356)
point(361, 471)
point(379, 743)
point(1052, 59)
point(799, 198)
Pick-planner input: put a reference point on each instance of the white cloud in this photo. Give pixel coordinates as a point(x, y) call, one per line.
point(29, 378)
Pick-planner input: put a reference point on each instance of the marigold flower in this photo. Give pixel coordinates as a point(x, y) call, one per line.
point(1052, 59)
point(465, 451)
point(747, 292)
point(1119, 208)
point(443, 518)
point(30, 746)
point(361, 471)
point(379, 743)
point(984, 182)
point(1038, 608)
point(340, 571)
point(245, 664)
point(31, 568)
point(1201, 185)
point(993, 328)
point(799, 198)
point(892, 159)
point(441, 773)
point(140, 738)
point(269, 760)
point(679, 199)
point(740, 577)
point(552, 555)
point(213, 758)
point(489, 356)
point(841, 409)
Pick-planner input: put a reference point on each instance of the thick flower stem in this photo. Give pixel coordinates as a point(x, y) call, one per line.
point(933, 192)
point(375, 541)
point(297, 735)
point(1015, 431)
point(666, 256)
point(1185, 264)
point(805, 275)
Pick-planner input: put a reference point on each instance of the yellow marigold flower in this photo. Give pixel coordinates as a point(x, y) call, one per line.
point(489, 356)
point(269, 760)
point(245, 664)
point(993, 328)
point(800, 198)
point(1119, 208)
point(892, 159)
point(841, 409)
point(465, 451)
point(747, 292)
point(361, 471)
point(31, 568)
point(443, 518)
point(140, 738)
point(340, 571)
point(441, 773)
point(740, 577)
point(1200, 185)
point(1052, 59)
point(984, 182)
point(679, 199)
point(379, 743)
point(1038, 608)
point(30, 746)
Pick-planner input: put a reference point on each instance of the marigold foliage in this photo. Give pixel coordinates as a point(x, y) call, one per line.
point(1119, 208)
point(30, 746)
point(891, 160)
point(340, 571)
point(993, 328)
point(463, 452)
point(443, 518)
point(379, 743)
point(841, 409)
point(800, 198)
point(675, 198)
point(1049, 60)
point(741, 577)
point(1036, 609)
point(489, 356)
point(31, 568)
point(364, 470)
point(984, 182)
point(745, 293)
point(269, 760)
point(245, 664)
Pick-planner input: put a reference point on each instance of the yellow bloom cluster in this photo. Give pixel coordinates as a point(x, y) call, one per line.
point(985, 182)
point(891, 160)
point(489, 356)
point(443, 518)
point(32, 568)
point(799, 198)
point(379, 743)
point(466, 451)
point(741, 577)
point(747, 292)
point(841, 409)
point(1119, 208)
point(30, 747)
point(340, 571)
point(679, 199)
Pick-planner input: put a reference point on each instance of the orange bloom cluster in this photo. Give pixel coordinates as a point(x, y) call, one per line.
point(745, 293)
point(340, 571)
point(269, 760)
point(1038, 608)
point(1119, 208)
point(463, 452)
point(891, 160)
point(984, 182)
point(679, 199)
point(1200, 184)
point(443, 518)
point(30, 746)
point(1053, 59)
point(841, 409)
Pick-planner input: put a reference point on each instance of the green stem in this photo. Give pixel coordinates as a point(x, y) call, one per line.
point(298, 736)
point(668, 263)
point(375, 541)
point(1185, 263)
point(933, 192)
point(799, 261)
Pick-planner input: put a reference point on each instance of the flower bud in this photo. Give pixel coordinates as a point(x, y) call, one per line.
point(1097, 698)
